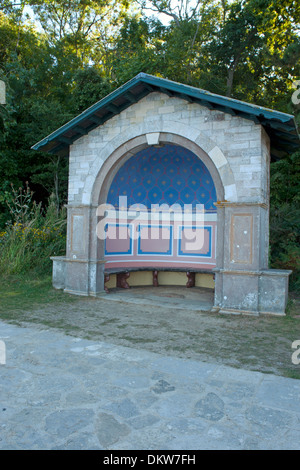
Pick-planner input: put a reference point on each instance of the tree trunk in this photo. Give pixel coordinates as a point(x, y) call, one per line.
point(230, 74)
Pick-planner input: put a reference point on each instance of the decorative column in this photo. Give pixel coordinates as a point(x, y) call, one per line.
point(80, 271)
point(244, 284)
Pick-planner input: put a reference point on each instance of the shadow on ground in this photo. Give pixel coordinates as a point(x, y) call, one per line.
point(195, 299)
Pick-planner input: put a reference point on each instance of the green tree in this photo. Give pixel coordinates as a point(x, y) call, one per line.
point(254, 55)
point(89, 86)
point(137, 49)
point(49, 79)
point(183, 56)
point(32, 109)
point(285, 216)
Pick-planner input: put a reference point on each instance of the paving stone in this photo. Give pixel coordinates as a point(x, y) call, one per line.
point(62, 423)
point(280, 392)
point(76, 397)
point(145, 400)
point(129, 399)
point(162, 386)
point(173, 404)
point(210, 407)
point(109, 430)
point(143, 421)
point(82, 441)
point(185, 425)
point(267, 421)
point(132, 381)
point(125, 408)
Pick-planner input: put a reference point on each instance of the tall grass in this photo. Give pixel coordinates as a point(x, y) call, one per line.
point(32, 236)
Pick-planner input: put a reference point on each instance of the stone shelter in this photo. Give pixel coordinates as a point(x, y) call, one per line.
point(154, 144)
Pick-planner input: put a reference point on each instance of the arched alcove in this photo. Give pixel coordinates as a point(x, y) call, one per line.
point(176, 173)
point(171, 218)
point(163, 174)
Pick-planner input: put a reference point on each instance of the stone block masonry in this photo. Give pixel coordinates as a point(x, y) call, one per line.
point(232, 141)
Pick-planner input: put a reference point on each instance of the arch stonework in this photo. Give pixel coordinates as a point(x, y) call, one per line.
point(243, 282)
point(117, 158)
point(123, 146)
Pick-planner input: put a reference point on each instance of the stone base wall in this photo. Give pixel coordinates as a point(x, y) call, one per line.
point(236, 292)
point(78, 277)
point(251, 292)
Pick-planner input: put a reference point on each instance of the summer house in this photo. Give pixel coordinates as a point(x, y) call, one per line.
point(168, 181)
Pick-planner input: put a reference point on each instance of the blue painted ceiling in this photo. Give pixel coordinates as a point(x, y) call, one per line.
point(167, 175)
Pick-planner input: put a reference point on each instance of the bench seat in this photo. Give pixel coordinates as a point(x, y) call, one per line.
point(124, 273)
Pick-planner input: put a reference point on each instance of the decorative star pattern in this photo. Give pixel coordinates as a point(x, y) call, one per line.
point(166, 175)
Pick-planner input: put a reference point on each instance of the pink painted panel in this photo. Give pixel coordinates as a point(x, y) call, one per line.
point(195, 241)
point(160, 250)
point(155, 240)
point(118, 240)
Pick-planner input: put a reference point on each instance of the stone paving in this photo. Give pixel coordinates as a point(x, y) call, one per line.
point(62, 392)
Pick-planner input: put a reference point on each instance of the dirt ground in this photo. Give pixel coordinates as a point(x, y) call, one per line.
point(166, 323)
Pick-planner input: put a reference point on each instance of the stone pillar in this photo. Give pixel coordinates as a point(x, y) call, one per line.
point(58, 271)
point(244, 284)
point(77, 250)
point(96, 256)
point(80, 271)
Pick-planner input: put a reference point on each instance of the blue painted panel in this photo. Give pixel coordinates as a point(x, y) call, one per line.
point(170, 174)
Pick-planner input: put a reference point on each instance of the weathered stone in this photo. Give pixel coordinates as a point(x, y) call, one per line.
point(125, 408)
point(266, 420)
point(210, 407)
point(143, 421)
point(66, 422)
point(162, 386)
point(109, 430)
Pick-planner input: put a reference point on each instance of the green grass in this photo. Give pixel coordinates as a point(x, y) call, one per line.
point(23, 293)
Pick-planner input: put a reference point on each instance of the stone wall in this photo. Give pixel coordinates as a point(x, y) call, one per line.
point(237, 146)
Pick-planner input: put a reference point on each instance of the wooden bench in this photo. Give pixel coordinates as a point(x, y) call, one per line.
point(124, 273)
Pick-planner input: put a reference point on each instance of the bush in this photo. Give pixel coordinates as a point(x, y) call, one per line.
point(32, 236)
point(285, 216)
point(284, 241)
